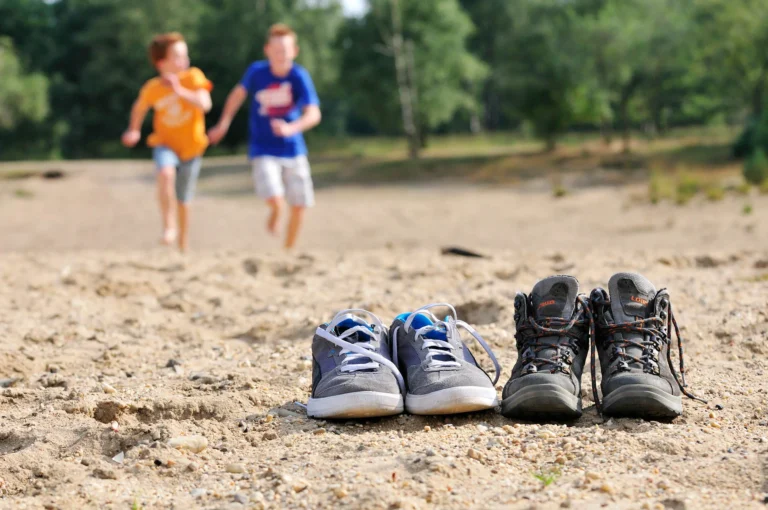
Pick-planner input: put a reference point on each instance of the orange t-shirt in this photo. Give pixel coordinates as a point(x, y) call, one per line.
point(178, 125)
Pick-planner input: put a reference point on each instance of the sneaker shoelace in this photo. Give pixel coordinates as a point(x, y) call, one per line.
point(360, 355)
point(440, 352)
point(654, 338)
point(555, 326)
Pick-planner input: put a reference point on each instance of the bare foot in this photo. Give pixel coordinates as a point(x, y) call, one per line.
point(169, 236)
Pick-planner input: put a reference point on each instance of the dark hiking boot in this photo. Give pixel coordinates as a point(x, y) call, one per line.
point(553, 330)
point(633, 343)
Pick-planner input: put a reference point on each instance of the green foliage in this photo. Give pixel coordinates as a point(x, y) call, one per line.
point(547, 477)
point(546, 65)
point(756, 168)
point(687, 187)
point(747, 209)
point(446, 75)
point(22, 96)
point(714, 193)
point(660, 187)
point(743, 188)
point(542, 67)
point(23, 193)
point(763, 188)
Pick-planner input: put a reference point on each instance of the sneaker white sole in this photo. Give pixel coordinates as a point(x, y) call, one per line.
point(461, 399)
point(362, 404)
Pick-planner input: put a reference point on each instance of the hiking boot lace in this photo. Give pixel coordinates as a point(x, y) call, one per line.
point(655, 337)
point(563, 358)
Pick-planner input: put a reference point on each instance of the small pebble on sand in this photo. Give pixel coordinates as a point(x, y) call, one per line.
point(195, 444)
point(235, 468)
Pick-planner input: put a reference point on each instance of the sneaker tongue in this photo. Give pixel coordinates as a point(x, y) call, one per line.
point(359, 336)
point(631, 297)
point(555, 296)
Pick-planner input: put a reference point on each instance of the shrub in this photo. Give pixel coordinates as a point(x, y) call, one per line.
point(756, 168)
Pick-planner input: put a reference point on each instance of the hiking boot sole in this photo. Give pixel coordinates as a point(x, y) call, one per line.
point(461, 399)
point(362, 404)
point(542, 402)
point(642, 401)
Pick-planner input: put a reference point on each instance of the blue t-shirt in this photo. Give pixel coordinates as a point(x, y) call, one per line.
point(275, 97)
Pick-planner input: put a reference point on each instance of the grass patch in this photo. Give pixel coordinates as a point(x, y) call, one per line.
point(15, 175)
point(746, 210)
point(714, 193)
point(23, 193)
point(688, 186)
point(548, 477)
point(743, 188)
point(763, 188)
point(660, 187)
point(759, 278)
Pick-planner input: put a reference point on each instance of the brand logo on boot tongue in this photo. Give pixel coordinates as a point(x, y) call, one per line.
point(547, 303)
point(639, 300)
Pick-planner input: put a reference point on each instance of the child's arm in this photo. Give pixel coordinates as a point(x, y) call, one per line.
point(310, 114)
point(132, 135)
point(310, 118)
point(231, 107)
point(200, 98)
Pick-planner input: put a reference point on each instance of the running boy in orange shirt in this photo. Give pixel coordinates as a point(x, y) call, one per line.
point(180, 96)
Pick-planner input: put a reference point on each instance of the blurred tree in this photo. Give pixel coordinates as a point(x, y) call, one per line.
point(22, 95)
point(440, 75)
point(541, 72)
point(638, 52)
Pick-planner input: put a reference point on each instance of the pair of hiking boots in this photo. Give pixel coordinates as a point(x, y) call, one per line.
point(630, 329)
point(420, 363)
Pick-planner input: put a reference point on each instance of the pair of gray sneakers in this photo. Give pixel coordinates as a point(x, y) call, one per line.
point(629, 328)
point(420, 364)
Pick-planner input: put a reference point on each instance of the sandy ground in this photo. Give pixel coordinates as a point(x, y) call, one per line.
point(94, 316)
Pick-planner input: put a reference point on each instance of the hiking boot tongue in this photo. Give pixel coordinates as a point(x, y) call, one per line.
point(555, 296)
point(631, 297)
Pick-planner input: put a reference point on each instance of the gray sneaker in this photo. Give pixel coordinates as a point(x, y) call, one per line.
point(553, 330)
point(633, 343)
point(353, 375)
point(441, 374)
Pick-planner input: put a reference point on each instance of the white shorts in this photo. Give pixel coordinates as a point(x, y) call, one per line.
point(288, 177)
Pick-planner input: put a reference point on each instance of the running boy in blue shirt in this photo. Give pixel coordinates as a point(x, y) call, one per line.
point(283, 104)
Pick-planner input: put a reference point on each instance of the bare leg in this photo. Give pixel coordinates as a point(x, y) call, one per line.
point(183, 226)
point(294, 225)
point(166, 195)
point(275, 208)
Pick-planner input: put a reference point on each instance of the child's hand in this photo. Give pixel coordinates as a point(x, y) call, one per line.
point(282, 128)
point(172, 81)
point(217, 133)
point(131, 137)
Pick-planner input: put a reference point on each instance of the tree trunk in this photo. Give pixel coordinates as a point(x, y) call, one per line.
point(404, 89)
point(626, 96)
point(758, 93)
point(606, 130)
point(626, 134)
point(551, 143)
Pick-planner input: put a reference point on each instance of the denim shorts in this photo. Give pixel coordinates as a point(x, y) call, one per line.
point(186, 171)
